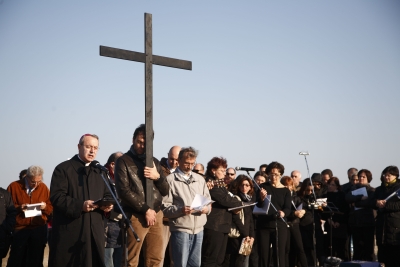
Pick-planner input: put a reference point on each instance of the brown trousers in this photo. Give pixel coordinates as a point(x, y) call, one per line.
point(151, 241)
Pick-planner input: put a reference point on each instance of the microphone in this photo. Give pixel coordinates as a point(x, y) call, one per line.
point(245, 169)
point(304, 153)
point(97, 164)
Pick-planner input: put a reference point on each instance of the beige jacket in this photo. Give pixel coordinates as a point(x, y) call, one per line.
point(182, 193)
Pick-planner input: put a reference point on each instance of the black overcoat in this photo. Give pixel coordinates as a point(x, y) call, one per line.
point(77, 236)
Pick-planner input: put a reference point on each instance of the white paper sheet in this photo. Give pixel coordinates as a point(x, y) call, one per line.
point(300, 207)
point(359, 191)
point(199, 202)
point(33, 210)
point(264, 209)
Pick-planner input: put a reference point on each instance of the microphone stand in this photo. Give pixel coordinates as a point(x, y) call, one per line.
point(127, 221)
point(315, 199)
point(332, 211)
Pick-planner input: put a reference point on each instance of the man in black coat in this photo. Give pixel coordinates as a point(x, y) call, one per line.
point(78, 224)
point(130, 181)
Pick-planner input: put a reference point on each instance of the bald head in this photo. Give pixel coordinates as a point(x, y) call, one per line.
point(296, 176)
point(173, 157)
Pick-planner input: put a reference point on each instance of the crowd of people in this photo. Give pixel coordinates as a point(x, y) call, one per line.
point(197, 216)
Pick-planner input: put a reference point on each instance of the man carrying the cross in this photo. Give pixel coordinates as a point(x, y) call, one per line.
point(130, 180)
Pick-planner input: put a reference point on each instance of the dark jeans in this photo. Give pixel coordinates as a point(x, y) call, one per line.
point(214, 248)
point(27, 247)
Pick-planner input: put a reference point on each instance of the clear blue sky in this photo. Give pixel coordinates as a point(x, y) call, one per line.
point(269, 79)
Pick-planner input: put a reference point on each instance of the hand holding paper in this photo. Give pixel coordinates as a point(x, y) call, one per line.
point(199, 202)
point(33, 210)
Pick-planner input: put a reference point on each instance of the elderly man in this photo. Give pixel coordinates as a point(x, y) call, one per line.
point(131, 176)
point(352, 180)
point(296, 176)
point(78, 223)
point(186, 224)
point(169, 164)
point(30, 232)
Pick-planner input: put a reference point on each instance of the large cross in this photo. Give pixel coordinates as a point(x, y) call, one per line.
point(148, 59)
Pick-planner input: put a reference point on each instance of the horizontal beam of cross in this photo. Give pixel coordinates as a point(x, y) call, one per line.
point(106, 51)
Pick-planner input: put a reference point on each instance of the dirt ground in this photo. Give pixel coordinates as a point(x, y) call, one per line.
point(45, 258)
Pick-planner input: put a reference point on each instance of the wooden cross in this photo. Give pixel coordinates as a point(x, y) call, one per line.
point(148, 59)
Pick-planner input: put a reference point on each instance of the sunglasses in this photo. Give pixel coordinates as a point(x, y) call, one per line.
point(230, 174)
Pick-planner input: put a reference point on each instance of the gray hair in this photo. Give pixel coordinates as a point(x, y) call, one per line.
point(188, 152)
point(34, 171)
point(83, 136)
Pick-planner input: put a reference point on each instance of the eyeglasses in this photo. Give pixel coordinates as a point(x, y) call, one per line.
point(275, 175)
point(317, 184)
point(230, 174)
point(246, 185)
point(35, 183)
point(95, 148)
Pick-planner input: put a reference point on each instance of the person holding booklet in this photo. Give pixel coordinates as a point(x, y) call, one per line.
point(31, 198)
point(219, 220)
point(186, 216)
point(295, 255)
point(272, 224)
point(243, 188)
point(361, 217)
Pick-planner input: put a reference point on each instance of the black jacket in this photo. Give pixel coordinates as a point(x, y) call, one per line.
point(281, 199)
point(364, 216)
point(131, 184)
point(246, 229)
point(220, 219)
point(388, 219)
point(76, 235)
point(7, 220)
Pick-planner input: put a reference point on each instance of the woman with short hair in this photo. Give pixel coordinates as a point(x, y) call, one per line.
point(219, 221)
point(268, 223)
point(361, 218)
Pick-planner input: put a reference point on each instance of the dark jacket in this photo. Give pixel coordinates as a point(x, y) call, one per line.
point(114, 219)
point(338, 199)
point(77, 236)
point(131, 184)
point(246, 229)
point(296, 201)
point(388, 227)
point(364, 216)
point(220, 219)
point(7, 221)
point(281, 199)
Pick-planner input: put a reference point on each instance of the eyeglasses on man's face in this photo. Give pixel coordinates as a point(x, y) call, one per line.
point(230, 174)
point(95, 148)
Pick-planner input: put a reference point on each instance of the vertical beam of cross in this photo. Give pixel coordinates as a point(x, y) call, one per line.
point(149, 59)
point(148, 92)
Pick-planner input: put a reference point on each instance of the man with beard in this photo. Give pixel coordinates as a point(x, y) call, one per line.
point(131, 176)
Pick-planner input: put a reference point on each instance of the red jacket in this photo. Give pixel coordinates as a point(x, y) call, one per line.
point(20, 196)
